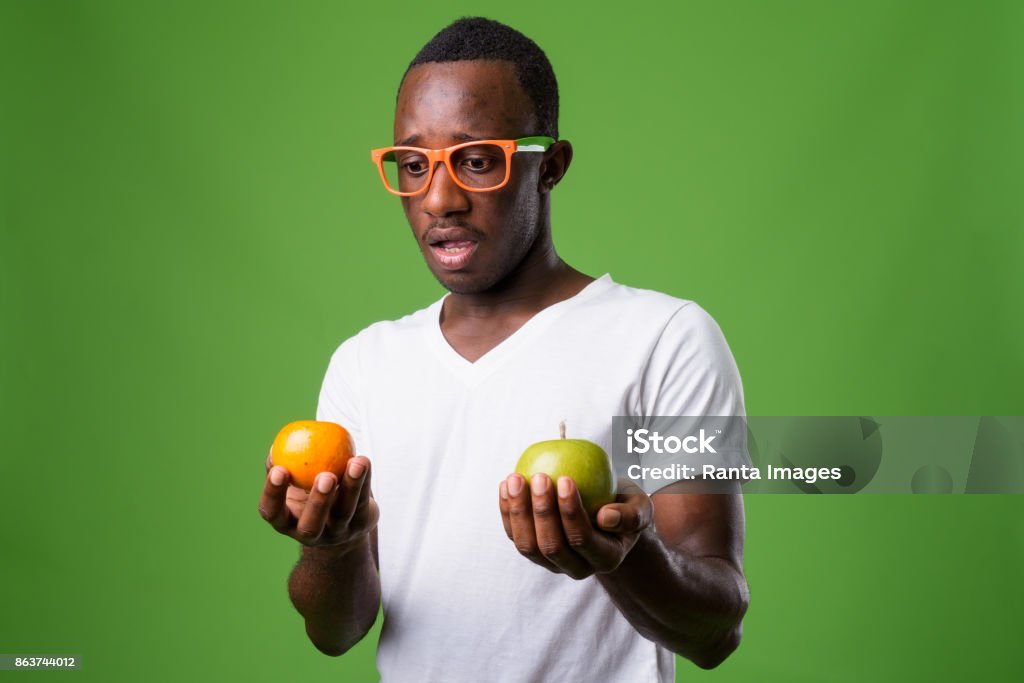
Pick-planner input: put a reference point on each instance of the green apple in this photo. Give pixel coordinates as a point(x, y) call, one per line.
point(583, 461)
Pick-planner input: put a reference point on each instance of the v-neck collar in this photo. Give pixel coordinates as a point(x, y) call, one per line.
point(473, 373)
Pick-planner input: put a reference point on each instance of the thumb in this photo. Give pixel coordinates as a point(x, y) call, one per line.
point(618, 518)
point(628, 517)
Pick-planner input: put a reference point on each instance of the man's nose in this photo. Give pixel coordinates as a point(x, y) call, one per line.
point(443, 196)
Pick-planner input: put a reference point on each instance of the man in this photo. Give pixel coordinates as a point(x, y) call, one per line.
point(513, 584)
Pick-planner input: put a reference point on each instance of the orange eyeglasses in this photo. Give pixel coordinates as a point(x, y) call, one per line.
point(477, 166)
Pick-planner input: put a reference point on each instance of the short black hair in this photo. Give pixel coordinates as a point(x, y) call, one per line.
point(471, 38)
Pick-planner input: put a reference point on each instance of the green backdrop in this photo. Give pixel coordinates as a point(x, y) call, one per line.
point(191, 224)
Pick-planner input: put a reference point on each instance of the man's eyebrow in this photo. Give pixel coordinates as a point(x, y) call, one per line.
point(462, 137)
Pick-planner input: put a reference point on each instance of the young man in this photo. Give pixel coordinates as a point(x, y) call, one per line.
point(483, 575)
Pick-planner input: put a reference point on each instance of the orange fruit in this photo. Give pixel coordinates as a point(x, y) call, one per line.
point(307, 447)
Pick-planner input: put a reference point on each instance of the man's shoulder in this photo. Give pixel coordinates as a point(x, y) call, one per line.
point(386, 332)
point(411, 323)
point(637, 302)
point(641, 313)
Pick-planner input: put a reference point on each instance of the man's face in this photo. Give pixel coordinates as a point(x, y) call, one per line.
point(470, 240)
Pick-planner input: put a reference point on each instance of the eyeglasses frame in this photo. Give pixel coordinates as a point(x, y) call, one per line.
point(536, 143)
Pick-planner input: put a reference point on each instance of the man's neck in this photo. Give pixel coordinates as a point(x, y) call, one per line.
point(474, 324)
point(535, 285)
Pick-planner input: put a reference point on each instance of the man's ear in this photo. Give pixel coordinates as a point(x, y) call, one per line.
point(556, 163)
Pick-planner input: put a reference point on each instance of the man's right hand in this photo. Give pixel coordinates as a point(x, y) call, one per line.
point(332, 514)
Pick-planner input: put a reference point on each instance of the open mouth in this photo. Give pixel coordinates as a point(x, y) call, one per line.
point(453, 254)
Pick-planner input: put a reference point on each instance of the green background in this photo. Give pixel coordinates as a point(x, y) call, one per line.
point(191, 224)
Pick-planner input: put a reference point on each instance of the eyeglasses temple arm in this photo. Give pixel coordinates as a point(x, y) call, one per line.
point(537, 143)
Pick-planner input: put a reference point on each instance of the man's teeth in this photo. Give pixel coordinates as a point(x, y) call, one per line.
point(452, 250)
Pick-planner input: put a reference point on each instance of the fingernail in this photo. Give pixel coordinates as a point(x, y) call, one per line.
point(277, 476)
point(539, 484)
point(514, 486)
point(324, 483)
point(564, 487)
point(503, 490)
point(612, 519)
point(356, 469)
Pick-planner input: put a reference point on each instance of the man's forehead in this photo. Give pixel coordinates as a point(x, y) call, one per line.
point(467, 73)
point(477, 94)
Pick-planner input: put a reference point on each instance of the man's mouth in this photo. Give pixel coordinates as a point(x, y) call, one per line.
point(453, 254)
point(451, 247)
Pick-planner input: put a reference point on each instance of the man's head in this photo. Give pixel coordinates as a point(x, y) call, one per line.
point(480, 80)
point(476, 38)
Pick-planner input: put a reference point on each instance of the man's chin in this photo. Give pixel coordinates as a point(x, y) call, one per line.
point(457, 283)
point(461, 282)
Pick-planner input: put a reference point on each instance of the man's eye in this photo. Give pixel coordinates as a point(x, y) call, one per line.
point(477, 163)
point(414, 167)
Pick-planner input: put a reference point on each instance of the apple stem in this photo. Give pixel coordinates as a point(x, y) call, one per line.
point(561, 429)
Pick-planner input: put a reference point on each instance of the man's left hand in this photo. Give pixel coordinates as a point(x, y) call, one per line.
point(548, 524)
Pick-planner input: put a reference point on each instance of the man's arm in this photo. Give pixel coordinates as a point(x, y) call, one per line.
point(337, 591)
point(335, 585)
point(682, 584)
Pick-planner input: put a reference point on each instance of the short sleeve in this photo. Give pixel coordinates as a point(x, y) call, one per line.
point(692, 385)
point(691, 370)
point(340, 399)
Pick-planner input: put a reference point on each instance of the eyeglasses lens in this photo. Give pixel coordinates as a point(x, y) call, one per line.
point(480, 167)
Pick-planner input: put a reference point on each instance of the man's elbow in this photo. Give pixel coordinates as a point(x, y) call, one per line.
point(727, 642)
point(335, 645)
point(712, 657)
point(331, 649)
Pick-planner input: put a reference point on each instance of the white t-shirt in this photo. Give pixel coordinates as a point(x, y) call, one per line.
point(460, 603)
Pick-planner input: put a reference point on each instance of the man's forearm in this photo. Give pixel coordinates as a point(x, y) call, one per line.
point(691, 605)
point(338, 593)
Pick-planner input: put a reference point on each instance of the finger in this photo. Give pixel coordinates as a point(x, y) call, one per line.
point(506, 522)
point(367, 519)
point(366, 513)
point(353, 492)
point(270, 458)
point(579, 532)
point(600, 552)
point(314, 515)
point(547, 522)
point(273, 506)
point(295, 501)
point(520, 517)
